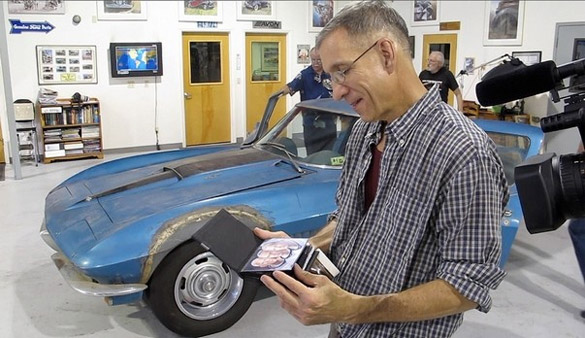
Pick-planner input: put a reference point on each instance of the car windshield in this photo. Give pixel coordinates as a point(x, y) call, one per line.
point(310, 137)
point(512, 149)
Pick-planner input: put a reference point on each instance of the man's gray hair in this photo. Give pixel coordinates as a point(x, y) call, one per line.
point(367, 18)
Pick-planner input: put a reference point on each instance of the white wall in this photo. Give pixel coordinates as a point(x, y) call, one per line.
point(128, 105)
point(128, 109)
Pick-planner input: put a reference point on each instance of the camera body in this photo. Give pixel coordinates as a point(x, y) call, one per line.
point(552, 188)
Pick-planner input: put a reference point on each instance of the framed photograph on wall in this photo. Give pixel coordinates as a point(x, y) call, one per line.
point(504, 23)
point(121, 10)
point(255, 10)
point(528, 58)
point(303, 56)
point(411, 43)
point(201, 10)
point(425, 12)
point(36, 7)
point(320, 13)
point(66, 64)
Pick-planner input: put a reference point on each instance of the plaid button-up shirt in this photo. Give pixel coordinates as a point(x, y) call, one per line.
point(437, 213)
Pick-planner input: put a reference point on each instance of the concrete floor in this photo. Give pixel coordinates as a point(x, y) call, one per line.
point(541, 296)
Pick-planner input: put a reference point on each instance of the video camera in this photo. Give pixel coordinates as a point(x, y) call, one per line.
point(551, 188)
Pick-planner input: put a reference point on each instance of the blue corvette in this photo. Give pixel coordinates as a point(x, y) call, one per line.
point(123, 229)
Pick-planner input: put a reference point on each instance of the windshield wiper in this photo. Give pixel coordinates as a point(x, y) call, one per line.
point(288, 154)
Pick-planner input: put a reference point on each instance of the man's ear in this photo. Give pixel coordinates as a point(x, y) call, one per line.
point(388, 50)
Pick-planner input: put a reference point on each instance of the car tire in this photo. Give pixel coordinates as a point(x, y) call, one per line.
point(193, 293)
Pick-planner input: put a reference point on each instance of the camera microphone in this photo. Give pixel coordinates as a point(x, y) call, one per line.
point(525, 81)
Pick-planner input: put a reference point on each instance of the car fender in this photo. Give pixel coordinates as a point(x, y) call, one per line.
point(181, 229)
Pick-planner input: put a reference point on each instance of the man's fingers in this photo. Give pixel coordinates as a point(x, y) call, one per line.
point(265, 234)
point(285, 295)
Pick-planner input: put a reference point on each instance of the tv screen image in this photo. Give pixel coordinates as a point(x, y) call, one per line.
point(136, 59)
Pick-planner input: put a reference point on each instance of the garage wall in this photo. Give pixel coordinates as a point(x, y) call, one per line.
point(128, 109)
point(128, 105)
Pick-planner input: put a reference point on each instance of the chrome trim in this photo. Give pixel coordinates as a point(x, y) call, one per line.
point(83, 284)
point(46, 237)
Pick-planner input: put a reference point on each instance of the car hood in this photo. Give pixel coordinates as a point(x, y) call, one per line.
point(88, 210)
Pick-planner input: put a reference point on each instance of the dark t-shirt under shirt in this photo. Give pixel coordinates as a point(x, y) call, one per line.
point(443, 77)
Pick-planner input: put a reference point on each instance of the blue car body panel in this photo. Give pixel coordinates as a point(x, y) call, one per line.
point(117, 220)
point(513, 216)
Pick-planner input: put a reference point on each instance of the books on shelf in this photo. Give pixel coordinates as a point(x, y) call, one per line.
point(90, 131)
point(69, 129)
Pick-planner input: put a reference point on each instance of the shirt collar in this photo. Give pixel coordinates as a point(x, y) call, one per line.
point(403, 125)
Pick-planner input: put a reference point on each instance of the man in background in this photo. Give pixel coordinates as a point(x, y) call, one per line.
point(436, 73)
point(319, 131)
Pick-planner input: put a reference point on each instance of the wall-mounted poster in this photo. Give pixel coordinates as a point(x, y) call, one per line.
point(36, 7)
point(121, 10)
point(269, 59)
point(200, 10)
point(66, 64)
point(303, 56)
point(320, 13)
point(256, 10)
point(504, 21)
point(425, 12)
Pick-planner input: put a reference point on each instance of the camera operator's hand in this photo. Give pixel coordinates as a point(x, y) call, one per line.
point(310, 298)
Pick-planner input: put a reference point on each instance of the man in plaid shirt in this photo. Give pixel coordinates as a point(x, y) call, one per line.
point(416, 234)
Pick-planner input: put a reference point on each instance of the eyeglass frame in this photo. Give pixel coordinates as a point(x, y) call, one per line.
point(338, 76)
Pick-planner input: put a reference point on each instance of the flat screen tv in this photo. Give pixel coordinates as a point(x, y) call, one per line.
point(132, 59)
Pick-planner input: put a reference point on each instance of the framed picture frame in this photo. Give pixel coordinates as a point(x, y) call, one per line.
point(121, 10)
point(269, 61)
point(303, 56)
point(469, 65)
point(320, 13)
point(411, 41)
point(504, 23)
point(36, 7)
point(201, 11)
point(528, 58)
point(255, 10)
point(425, 12)
point(66, 64)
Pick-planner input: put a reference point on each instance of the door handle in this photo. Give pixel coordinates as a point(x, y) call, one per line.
point(187, 96)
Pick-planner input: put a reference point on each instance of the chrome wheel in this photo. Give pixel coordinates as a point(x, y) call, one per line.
point(206, 288)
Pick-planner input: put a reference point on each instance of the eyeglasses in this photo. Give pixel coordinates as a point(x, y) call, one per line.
point(316, 61)
point(339, 76)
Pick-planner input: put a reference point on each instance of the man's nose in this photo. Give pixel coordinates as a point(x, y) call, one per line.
point(339, 90)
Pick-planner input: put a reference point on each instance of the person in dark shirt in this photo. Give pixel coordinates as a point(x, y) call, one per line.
point(436, 73)
point(319, 131)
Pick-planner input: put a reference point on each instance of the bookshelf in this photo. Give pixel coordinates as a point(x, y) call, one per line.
point(70, 130)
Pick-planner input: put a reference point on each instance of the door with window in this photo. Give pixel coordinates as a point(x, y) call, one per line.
point(447, 44)
point(265, 74)
point(206, 85)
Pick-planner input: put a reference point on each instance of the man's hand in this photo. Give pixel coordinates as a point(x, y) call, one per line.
point(265, 234)
point(311, 299)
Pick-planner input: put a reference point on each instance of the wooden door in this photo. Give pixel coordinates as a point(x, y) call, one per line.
point(446, 43)
point(265, 75)
point(206, 85)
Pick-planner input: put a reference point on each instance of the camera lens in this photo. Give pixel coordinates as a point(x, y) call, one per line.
point(572, 175)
